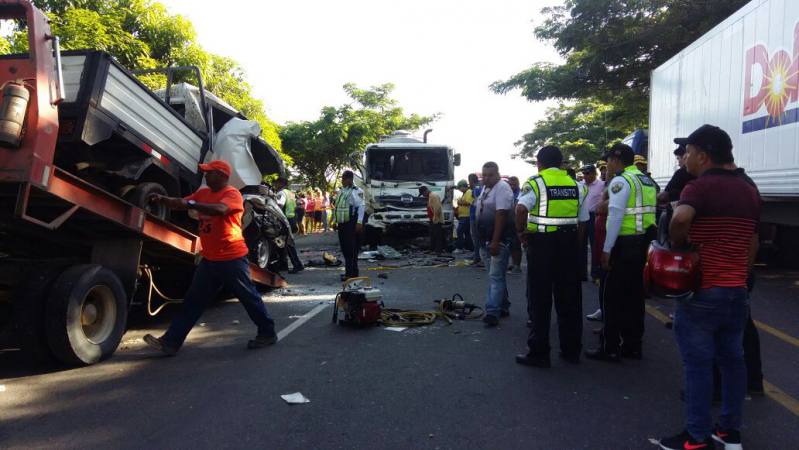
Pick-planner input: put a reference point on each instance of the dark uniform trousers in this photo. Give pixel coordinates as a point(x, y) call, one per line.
point(553, 270)
point(623, 296)
point(348, 239)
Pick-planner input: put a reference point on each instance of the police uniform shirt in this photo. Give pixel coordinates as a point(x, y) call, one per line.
point(528, 200)
point(618, 196)
point(355, 200)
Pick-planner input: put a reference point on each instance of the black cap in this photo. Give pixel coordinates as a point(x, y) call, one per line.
point(711, 139)
point(588, 168)
point(621, 151)
point(679, 151)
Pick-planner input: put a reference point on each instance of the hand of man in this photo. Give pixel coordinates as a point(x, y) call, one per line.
point(523, 238)
point(359, 228)
point(605, 261)
point(494, 248)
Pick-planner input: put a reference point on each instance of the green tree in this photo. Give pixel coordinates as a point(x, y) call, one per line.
point(609, 49)
point(582, 130)
point(141, 34)
point(323, 147)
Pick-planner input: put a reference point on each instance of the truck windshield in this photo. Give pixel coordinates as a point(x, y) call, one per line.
point(408, 164)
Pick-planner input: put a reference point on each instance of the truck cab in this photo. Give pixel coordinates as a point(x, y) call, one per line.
point(393, 171)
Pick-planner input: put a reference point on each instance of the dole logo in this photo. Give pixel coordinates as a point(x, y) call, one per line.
point(779, 84)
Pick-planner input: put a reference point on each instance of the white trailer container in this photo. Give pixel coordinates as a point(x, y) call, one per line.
point(743, 76)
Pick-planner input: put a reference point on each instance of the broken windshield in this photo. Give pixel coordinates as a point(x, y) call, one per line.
point(408, 164)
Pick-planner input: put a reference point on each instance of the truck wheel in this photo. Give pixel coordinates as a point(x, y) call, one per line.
point(86, 315)
point(140, 195)
point(261, 253)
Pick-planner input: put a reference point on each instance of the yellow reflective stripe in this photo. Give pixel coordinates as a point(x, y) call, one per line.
point(641, 210)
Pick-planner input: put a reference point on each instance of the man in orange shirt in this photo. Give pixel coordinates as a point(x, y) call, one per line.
point(224, 262)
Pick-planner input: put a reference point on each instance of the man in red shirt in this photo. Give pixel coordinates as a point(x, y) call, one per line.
point(709, 325)
point(224, 262)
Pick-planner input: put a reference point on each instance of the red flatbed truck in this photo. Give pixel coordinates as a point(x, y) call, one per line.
point(74, 257)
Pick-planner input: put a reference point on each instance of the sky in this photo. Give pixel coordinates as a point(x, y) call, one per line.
point(441, 55)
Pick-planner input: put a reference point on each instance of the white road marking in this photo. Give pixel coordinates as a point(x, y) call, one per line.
point(297, 323)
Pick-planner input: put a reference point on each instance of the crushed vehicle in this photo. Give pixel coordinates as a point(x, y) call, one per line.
point(392, 173)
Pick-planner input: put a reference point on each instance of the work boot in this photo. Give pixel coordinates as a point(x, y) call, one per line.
point(261, 341)
point(296, 269)
point(160, 345)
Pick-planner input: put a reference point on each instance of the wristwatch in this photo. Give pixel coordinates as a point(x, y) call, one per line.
point(191, 204)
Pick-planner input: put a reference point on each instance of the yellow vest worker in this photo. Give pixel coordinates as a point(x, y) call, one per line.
point(630, 227)
point(552, 214)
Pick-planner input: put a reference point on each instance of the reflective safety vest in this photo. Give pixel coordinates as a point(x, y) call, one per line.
point(557, 201)
point(291, 204)
point(343, 207)
point(642, 204)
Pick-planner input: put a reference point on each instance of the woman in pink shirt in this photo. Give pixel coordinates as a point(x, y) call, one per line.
point(310, 207)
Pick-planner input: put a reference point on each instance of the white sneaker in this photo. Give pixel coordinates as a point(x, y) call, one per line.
point(595, 317)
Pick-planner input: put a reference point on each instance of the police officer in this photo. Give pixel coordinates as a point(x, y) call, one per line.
point(287, 201)
point(348, 213)
point(630, 227)
point(553, 215)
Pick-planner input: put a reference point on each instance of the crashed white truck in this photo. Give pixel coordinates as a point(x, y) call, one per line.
point(393, 171)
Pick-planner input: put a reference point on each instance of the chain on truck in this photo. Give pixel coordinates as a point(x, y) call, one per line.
point(393, 171)
point(83, 143)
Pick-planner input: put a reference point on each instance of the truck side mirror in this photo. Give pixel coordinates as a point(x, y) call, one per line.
point(456, 160)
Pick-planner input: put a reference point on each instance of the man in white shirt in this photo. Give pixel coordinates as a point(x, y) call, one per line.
point(595, 188)
point(494, 229)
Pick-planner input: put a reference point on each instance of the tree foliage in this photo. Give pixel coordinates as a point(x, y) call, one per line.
point(323, 147)
point(609, 49)
point(141, 34)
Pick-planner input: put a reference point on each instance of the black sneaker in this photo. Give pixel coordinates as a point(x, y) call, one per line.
point(261, 341)
point(730, 438)
point(296, 270)
point(490, 321)
point(601, 355)
point(534, 361)
point(684, 441)
point(504, 313)
point(160, 345)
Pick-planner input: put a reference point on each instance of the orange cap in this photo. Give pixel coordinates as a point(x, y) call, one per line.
point(221, 166)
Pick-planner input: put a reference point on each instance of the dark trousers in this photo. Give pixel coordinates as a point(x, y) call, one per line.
point(464, 234)
point(293, 224)
point(590, 234)
point(553, 272)
point(294, 257)
point(623, 296)
point(437, 238)
point(209, 279)
point(348, 239)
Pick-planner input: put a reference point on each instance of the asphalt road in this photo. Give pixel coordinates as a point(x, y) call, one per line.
point(441, 386)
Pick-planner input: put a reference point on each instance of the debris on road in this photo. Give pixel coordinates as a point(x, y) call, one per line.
point(388, 252)
point(235, 322)
point(397, 329)
point(295, 398)
point(383, 276)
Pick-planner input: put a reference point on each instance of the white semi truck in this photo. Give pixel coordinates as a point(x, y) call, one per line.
point(743, 76)
point(393, 171)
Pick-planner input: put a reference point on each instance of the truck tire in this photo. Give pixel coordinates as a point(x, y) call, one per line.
point(86, 315)
point(29, 302)
point(140, 196)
